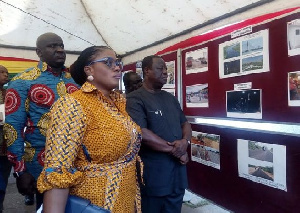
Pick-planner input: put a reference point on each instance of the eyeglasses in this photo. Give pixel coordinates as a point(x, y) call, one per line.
point(110, 62)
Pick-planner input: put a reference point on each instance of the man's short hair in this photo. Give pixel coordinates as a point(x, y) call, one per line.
point(147, 62)
point(126, 78)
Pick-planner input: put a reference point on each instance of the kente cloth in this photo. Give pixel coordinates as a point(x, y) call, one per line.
point(28, 99)
point(91, 148)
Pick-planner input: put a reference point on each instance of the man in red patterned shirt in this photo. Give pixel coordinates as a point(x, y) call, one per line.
point(29, 98)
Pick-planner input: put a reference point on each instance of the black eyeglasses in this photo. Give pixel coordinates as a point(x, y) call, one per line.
point(110, 62)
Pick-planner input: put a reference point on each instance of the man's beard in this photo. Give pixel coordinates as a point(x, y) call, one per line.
point(57, 65)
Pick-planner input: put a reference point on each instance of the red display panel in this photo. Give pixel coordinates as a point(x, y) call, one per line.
point(227, 189)
point(273, 84)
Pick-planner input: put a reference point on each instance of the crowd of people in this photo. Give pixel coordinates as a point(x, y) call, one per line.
point(69, 132)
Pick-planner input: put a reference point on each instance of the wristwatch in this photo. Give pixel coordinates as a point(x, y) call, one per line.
point(189, 142)
point(18, 174)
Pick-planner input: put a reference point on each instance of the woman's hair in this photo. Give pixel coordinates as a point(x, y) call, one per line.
point(85, 57)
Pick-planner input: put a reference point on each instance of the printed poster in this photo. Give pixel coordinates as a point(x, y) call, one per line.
point(205, 149)
point(196, 61)
point(293, 34)
point(262, 163)
point(244, 104)
point(244, 55)
point(171, 75)
point(294, 88)
point(197, 95)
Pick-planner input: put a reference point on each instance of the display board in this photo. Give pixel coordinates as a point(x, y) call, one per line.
point(254, 189)
point(254, 75)
point(173, 78)
point(250, 75)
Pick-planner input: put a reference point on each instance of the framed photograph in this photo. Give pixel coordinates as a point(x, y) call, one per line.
point(138, 69)
point(293, 34)
point(197, 95)
point(245, 55)
point(205, 149)
point(294, 88)
point(171, 75)
point(262, 163)
point(244, 104)
point(196, 61)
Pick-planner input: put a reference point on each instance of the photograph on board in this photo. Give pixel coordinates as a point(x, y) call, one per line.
point(262, 163)
point(138, 69)
point(293, 88)
point(293, 34)
point(205, 149)
point(197, 95)
point(252, 46)
point(244, 55)
point(231, 67)
point(196, 61)
point(232, 51)
point(252, 63)
point(171, 75)
point(244, 104)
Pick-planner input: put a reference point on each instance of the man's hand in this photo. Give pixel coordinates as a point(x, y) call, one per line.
point(184, 159)
point(26, 184)
point(179, 147)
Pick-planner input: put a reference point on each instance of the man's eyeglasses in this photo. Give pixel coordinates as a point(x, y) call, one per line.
point(110, 62)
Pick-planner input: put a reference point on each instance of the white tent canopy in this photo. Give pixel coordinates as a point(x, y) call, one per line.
point(133, 28)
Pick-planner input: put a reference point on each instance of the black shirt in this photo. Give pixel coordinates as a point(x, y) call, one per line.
point(159, 112)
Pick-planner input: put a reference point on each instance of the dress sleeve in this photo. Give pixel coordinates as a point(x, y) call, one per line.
point(15, 120)
point(64, 139)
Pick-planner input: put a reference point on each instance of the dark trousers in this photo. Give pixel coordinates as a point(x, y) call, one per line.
point(5, 167)
point(39, 200)
point(165, 204)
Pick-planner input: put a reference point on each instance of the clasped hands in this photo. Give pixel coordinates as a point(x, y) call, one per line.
point(26, 184)
point(179, 150)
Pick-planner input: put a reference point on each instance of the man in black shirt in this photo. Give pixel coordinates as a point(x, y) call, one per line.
point(166, 134)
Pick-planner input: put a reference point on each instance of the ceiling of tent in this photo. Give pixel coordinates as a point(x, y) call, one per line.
point(124, 25)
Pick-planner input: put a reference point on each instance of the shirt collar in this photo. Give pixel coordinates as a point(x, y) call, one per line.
point(43, 66)
point(88, 87)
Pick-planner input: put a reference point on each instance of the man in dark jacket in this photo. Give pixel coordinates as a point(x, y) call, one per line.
point(166, 134)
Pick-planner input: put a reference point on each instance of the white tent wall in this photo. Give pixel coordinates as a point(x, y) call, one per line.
point(273, 6)
point(125, 25)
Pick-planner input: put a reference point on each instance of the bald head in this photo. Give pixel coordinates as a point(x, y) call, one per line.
point(50, 49)
point(42, 39)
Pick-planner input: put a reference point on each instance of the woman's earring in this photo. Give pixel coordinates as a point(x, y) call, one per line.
point(90, 78)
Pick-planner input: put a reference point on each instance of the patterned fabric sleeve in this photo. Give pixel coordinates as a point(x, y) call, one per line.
point(64, 137)
point(15, 121)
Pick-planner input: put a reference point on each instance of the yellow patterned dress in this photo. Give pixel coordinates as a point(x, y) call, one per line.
point(91, 148)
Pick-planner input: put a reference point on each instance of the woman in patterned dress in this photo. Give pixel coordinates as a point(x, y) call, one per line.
point(92, 144)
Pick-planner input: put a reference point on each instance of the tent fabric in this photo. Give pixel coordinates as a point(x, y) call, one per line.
point(124, 25)
point(224, 31)
point(133, 28)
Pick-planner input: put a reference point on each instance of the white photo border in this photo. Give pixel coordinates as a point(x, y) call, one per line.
point(261, 52)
